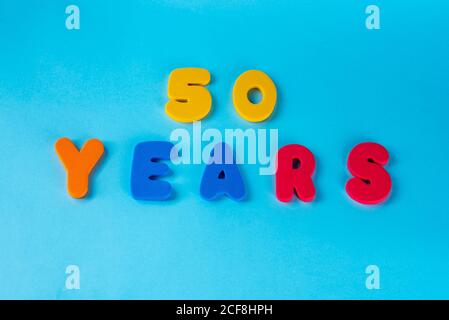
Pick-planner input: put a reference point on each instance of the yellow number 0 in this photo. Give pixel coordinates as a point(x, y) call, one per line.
point(250, 80)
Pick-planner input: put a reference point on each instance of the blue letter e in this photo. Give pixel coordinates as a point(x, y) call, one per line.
point(145, 169)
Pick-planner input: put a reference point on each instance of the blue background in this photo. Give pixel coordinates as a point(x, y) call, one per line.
point(338, 83)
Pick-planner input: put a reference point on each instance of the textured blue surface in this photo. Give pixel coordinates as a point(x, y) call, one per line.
point(338, 83)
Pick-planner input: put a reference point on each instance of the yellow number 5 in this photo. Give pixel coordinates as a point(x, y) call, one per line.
point(189, 99)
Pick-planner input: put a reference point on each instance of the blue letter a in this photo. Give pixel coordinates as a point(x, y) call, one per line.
point(222, 176)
